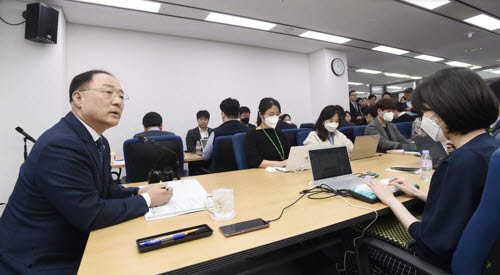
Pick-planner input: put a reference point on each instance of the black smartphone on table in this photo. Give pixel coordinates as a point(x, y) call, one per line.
point(243, 227)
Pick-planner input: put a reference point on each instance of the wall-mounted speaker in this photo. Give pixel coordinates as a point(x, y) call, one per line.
point(41, 23)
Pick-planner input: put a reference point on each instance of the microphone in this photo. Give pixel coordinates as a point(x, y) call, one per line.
point(165, 150)
point(20, 130)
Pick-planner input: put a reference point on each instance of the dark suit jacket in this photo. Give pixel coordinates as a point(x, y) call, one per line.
point(193, 136)
point(154, 133)
point(62, 193)
point(354, 113)
point(403, 118)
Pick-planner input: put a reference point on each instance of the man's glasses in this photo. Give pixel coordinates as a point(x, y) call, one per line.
point(109, 93)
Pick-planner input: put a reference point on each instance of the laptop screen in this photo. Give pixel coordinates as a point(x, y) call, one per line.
point(330, 162)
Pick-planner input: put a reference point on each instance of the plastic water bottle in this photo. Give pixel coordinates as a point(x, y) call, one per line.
point(426, 165)
point(198, 148)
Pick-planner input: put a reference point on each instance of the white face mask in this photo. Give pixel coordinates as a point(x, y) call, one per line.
point(331, 126)
point(432, 129)
point(271, 121)
point(388, 116)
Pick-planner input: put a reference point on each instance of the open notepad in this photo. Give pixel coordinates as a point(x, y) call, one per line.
point(189, 196)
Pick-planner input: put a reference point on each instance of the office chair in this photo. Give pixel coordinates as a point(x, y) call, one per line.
point(478, 250)
point(405, 128)
point(239, 151)
point(301, 137)
point(223, 159)
point(141, 157)
point(307, 125)
point(358, 131)
point(348, 131)
point(291, 135)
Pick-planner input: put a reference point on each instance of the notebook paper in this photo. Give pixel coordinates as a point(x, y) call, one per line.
point(189, 196)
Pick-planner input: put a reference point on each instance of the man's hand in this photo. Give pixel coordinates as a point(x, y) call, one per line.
point(158, 194)
point(359, 117)
point(382, 191)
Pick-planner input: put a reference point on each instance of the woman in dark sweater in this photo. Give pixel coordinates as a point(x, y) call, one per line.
point(266, 146)
point(456, 105)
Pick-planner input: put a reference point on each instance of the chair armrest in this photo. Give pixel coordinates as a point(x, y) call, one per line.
point(418, 264)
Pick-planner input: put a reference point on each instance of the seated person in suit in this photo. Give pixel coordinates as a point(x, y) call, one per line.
point(390, 137)
point(400, 114)
point(200, 132)
point(325, 130)
point(267, 146)
point(285, 122)
point(153, 126)
point(231, 125)
point(65, 190)
point(244, 116)
point(370, 114)
point(457, 105)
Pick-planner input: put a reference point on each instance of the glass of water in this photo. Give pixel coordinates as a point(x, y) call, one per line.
point(220, 204)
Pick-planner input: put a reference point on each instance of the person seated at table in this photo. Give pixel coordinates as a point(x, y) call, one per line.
point(325, 130)
point(200, 132)
point(347, 116)
point(267, 146)
point(390, 137)
point(457, 105)
point(285, 122)
point(153, 126)
point(64, 189)
point(400, 114)
point(231, 125)
point(370, 114)
point(244, 116)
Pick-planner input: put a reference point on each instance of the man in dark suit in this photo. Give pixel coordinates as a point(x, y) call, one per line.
point(153, 126)
point(200, 132)
point(400, 114)
point(64, 189)
point(354, 109)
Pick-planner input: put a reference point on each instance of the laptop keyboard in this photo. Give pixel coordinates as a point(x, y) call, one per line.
point(365, 193)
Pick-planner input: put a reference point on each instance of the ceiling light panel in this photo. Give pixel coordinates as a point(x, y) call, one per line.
point(142, 5)
point(394, 87)
point(458, 64)
point(355, 83)
point(397, 75)
point(325, 37)
point(390, 50)
point(368, 71)
point(428, 4)
point(239, 21)
point(484, 21)
point(429, 58)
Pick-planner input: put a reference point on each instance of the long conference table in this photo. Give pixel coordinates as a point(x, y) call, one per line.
point(257, 194)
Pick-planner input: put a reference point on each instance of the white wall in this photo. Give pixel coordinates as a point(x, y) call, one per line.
point(326, 87)
point(32, 87)
point(177, 76)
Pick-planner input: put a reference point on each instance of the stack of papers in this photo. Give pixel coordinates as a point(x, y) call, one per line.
point(189, 196)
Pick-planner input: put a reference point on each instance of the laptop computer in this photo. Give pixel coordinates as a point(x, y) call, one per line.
point(298, 159)
point(436, 149)
point(365, 147)
point(331, 166)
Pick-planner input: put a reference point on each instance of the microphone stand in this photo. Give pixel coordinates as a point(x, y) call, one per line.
point(25, 149)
